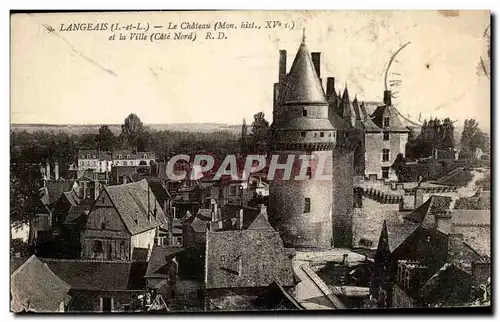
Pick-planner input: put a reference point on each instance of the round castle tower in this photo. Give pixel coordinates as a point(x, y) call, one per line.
point(301, 210)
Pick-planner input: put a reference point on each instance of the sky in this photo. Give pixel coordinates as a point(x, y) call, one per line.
point(82, 77)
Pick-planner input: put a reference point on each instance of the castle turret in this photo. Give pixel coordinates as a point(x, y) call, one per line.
point(301, 210)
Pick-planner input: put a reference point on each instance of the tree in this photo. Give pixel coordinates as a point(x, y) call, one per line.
point(259, 134)
point(132, 130)
point(401, 169)
point(472, 138)
point(25, 184)
point(434, 134)
point(105, 139)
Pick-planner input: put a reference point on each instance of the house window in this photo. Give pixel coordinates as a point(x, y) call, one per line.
point(103, 225)
point(88, 156)
point(119, 156)
point(386, 135)
point(128, 156)
point(322, 134)
point(385, 172)
point(83, 157)
point(304, 112)
point(386, 122)
point(177, 241)
point(308, 173)
point(303, 134)
point(307, 205)
point(233, 191)
point(144, 156)
point(106, 304)
point(385, 155)
point(97, 246)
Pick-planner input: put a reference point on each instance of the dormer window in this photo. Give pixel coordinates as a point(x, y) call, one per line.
point(386, 122)
point(144, 156)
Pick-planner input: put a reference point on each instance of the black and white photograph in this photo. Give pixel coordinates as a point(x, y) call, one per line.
point(250, 161)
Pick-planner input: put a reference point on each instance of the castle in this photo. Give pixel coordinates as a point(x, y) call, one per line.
point(355, 139)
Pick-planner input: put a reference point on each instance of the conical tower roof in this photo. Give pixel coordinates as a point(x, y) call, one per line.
point(302, 84)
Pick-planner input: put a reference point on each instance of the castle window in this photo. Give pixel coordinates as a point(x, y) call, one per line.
point(303, 134)
point(322, 134)
point(304, 112)
point(97, 246)
point(386, 122)
point(386, 135)
point(307, 205)
point(385, 172)
point(385, 155)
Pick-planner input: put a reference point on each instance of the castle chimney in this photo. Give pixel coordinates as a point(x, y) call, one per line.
point(418, 197)
point(241, 219)
point(47, 169)
point(344, 259)
point(56, 170)
point(316, 59)
point(282, 67)
point(442, 222)
point(387, 98)
point(330, 86)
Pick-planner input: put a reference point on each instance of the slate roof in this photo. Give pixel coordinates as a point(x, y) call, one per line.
point(93, 275)
point(36, 287)
point(232, 211)
point(54, 189)
point(433, 205)
point(398, 232)
point(131, 202)
point(262, 255)
point(159, 260)
point(395, 123)
point(366, 120)
point(302, 83)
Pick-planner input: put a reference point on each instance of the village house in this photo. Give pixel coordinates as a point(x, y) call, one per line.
point(123, 220)
point(240, 265)
point(74, 285)
point(434, 257)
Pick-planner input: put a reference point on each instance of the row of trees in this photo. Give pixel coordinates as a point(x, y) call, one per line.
point(439, 134)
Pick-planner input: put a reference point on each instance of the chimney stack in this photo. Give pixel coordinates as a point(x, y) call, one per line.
point(56, 170)
point(241, 219)
point(387, 98)
point(47, 169)
point(330, 86)
point(316, 59)
point(442, 222)
point(418, 197)
point(282, 66)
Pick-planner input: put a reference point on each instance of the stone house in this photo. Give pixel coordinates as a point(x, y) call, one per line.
point(124, 218)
